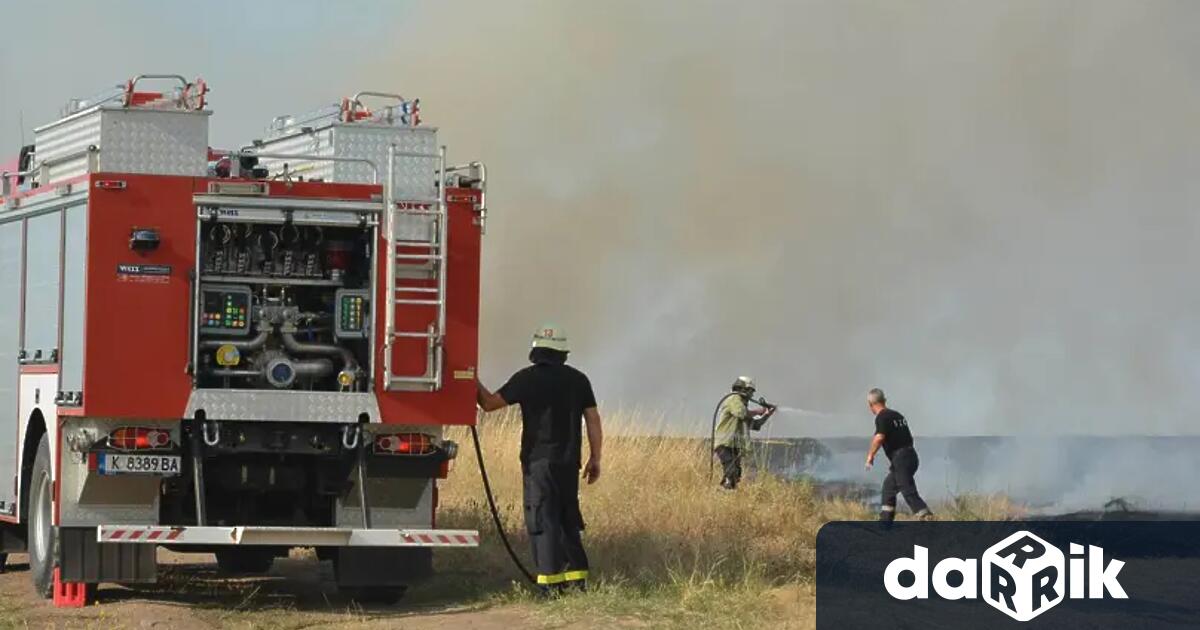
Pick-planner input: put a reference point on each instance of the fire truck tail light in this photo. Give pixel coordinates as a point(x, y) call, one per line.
point(404, 444)
point(138, 438)
point(110, 184)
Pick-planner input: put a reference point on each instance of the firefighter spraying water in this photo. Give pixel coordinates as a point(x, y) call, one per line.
point(731, 425)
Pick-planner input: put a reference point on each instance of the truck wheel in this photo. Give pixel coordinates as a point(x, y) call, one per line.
point(232, 561)
point(3, 561)
point(43, 536)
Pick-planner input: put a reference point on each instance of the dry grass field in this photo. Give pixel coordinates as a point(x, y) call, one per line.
point(668, 550)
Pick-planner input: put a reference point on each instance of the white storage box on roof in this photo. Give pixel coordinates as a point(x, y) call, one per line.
point(327, 133)
point(167, 136)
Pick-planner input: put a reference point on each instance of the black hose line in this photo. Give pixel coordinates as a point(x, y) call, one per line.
point(487, 489)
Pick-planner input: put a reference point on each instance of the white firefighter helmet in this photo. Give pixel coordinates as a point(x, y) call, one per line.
point(743, 383)
point(552, 337)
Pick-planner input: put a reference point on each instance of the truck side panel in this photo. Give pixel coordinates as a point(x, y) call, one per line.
point(36, 391)
point(10, 342)
point(137, 326)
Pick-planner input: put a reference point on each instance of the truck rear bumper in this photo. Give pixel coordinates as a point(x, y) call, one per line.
point(287, 536)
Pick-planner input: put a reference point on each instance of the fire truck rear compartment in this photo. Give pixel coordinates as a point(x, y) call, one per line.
point(290, 346)
point(295, 474)
point(283, 307)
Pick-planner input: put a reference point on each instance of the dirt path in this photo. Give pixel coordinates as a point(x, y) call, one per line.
point(298, 593)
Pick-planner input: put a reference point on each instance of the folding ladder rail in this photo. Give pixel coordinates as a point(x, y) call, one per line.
point(414, 292)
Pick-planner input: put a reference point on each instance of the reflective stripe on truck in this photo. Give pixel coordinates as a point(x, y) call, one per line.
point(288, 536)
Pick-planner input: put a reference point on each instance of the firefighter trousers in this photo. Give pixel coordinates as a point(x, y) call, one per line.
point(554, 523)
point(901, 480)
point(731, 466)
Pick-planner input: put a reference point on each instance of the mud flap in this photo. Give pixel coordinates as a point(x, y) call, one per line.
point(83, 559)
point(381, 566)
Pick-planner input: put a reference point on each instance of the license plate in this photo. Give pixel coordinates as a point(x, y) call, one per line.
point(121, 464)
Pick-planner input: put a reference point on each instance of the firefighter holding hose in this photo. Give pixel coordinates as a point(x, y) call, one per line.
point(556, 401)
point(732, 424)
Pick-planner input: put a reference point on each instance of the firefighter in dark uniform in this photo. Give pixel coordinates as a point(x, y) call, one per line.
point(892, 433)
point(556, 400)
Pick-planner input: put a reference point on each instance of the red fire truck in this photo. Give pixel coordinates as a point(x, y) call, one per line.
point(236, 352)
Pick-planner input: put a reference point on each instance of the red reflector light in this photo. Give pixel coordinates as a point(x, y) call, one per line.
point(110, 184)
point(404, 444)
point(138, 438)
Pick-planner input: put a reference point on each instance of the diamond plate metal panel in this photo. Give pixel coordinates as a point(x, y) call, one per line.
point(415, 228)
point(157, 142)
point(59, 141)
point(282, 405)
point(415, 177)
point(319, 143)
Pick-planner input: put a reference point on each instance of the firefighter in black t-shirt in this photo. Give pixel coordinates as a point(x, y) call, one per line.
point(892, 433)
point(555, 399)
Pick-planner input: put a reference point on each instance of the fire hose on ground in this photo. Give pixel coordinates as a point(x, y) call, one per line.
point(487, 485)
point(487, 490)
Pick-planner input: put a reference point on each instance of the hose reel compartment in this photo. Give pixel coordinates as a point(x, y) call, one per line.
point(283, 305)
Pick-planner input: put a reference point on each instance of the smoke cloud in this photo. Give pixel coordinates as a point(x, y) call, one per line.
point(986, 209)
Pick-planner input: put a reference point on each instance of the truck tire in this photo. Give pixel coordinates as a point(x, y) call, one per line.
point(43, 535)
point(236, 561)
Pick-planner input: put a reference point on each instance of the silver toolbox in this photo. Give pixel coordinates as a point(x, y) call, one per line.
point(416, 164)
point(129, 140)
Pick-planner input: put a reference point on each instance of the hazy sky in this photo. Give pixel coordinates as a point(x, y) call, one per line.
point(988, 209)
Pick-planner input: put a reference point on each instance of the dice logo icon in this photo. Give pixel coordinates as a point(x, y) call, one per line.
point(1023, 576)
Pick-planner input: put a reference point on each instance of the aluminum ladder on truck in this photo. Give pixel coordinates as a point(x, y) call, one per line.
point(416, 236)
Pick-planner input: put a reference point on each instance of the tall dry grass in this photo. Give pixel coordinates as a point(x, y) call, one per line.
point(655, 516)
point(665, 542)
